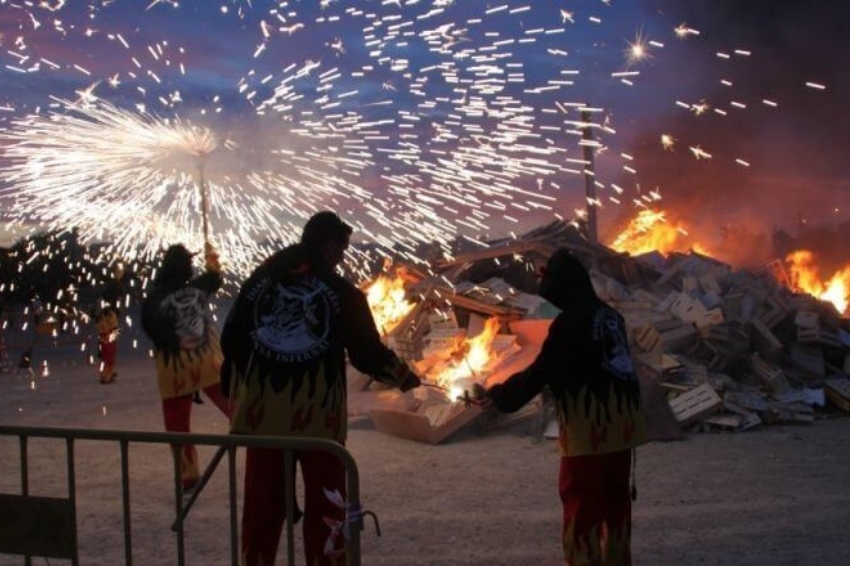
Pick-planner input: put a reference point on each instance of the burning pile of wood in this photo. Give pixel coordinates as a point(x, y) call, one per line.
point(726, 348)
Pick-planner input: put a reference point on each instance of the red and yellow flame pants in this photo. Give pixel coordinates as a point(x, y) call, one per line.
point(597, 527)
point(177, 412)
point(264, 508)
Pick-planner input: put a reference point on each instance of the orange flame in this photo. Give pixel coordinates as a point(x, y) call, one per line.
point(651, 231)
point(804, 277)
point(386, 298)
point(470, 358)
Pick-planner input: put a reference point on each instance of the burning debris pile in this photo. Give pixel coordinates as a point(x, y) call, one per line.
point(722, 348)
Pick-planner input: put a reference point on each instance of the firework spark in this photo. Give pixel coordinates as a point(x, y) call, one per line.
point(422, 121)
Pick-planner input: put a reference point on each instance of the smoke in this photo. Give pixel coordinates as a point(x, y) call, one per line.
point(777, 146)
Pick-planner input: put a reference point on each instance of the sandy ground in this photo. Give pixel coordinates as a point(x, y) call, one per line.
point(773, 496)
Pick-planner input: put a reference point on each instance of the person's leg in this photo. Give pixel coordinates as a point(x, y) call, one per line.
point(108, 344)
point(218, 399)
point(597, 510)
point(616, 506)
point(322, 471)
point(582, 522)
point(264, 507)
point(178, 412)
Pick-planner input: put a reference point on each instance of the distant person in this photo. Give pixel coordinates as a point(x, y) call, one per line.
point(586, 364)
point(177, 319)
point(285, 343)
point(106, 323)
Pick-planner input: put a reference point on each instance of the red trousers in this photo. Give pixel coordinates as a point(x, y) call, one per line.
point(178, 413)
point(264, 509)
point(597, 509)
point(107, 344)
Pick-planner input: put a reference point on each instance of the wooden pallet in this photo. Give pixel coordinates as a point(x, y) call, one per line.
point(696, 404)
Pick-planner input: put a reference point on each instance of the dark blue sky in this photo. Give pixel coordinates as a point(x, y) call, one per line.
point(411, 68)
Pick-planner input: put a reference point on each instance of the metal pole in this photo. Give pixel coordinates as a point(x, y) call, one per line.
point(588, 144)
point(205, 207)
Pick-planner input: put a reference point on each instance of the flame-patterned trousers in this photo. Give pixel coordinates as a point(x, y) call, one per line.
point(597, 527)
point(264, 508)
point(177, 413)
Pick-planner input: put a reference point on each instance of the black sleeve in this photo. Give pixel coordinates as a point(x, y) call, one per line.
point(209, 282)
point(230, 333)
point(365, 349)
point(521, 387)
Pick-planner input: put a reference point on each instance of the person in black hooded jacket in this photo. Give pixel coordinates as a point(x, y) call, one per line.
point(177, 319)
point(586, 364)
point(285, 343)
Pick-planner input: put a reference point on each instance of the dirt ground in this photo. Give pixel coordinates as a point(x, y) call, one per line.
point(771, 496)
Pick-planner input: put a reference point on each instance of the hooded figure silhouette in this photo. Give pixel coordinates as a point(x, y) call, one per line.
point(585, 363)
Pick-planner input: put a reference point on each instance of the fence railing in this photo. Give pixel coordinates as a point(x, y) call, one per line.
point(32, 526)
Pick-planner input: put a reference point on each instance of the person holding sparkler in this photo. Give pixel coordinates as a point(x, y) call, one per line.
point(586, 364)
point(106, 323)
point(285, 343)
point(177, 319)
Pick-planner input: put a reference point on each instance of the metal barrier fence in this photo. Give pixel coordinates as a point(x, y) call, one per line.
point(32, 526)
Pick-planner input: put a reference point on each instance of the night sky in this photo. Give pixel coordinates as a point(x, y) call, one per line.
point(778, 147)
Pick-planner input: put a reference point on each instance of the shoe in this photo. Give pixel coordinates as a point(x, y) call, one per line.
point(108, 378)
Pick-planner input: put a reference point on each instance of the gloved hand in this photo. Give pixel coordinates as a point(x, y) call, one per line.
point(211, 262)
point(396, 373)
point(410, 381)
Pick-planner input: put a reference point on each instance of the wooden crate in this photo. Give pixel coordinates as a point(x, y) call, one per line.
point(838, 391)
point(696, 404)
point(419, 427)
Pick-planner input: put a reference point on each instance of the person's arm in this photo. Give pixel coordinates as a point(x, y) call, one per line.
point(520, 388)
point(366, 351)
point(211, 280)
point(229, 335)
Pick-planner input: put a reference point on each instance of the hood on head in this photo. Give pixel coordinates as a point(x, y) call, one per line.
point(565, 280)
point(176, 265)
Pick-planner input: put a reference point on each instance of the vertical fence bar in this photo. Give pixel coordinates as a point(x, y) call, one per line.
point(287, 448)
point(125, 495)
point(289, 486)
point(25, 477)
point(353, 495)
point(234, 509)
point(176, 452)
point(72, 494)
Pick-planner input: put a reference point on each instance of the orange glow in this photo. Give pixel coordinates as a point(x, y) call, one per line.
point(470, 358)
point(651, 231)
point(386, 298)
point(804, 277)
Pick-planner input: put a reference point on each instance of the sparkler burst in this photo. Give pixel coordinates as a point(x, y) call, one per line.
point(122, 177)
point(420, 121)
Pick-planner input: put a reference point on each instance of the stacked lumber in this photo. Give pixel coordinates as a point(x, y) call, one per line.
point(734, 349)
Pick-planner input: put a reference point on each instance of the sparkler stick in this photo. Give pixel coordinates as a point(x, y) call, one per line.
point(205, 207)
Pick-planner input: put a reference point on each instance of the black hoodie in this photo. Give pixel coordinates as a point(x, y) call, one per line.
point(285, 343)
point(585, 362)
